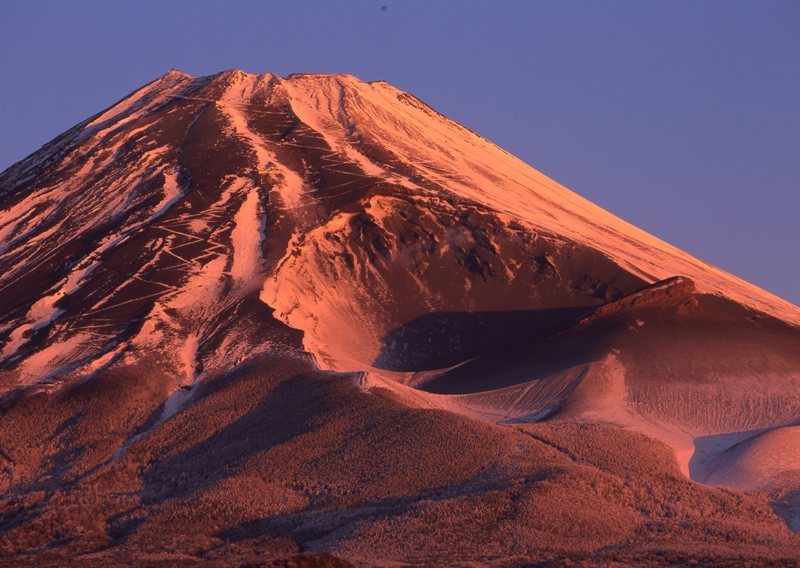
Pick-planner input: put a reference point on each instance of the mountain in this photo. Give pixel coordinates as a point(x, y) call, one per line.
point(254, 319)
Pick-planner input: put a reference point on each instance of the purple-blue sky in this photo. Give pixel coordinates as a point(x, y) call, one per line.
point(680, 116)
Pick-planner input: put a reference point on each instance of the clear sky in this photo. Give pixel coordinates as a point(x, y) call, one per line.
point(681, 116)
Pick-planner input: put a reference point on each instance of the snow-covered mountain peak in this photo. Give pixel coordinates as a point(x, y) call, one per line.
point(182, 271)
point(259, 171)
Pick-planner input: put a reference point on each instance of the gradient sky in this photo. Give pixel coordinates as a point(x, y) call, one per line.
point(682, 117)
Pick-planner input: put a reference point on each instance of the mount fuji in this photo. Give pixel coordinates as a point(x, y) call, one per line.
point(308, 319)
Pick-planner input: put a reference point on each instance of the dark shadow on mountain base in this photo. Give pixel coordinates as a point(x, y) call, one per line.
point(282, 415)
point(443, 339)
point(787, 507)
point(312, 526)
point(662, 334)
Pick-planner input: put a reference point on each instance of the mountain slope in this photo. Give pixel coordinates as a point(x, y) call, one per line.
point(214, 280)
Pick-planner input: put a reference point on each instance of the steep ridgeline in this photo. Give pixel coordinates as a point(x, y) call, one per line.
point(202, 226)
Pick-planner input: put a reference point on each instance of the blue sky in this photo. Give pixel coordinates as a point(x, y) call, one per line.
point(679, 116)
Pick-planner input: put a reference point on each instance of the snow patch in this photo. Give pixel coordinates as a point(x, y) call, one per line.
point(247, 236)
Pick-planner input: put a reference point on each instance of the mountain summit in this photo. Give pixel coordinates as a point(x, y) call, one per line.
point(246, 316)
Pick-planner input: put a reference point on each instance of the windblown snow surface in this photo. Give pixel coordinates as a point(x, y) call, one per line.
point(215, 268)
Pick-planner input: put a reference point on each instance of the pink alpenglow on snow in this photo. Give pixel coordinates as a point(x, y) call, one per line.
point(308, 319)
